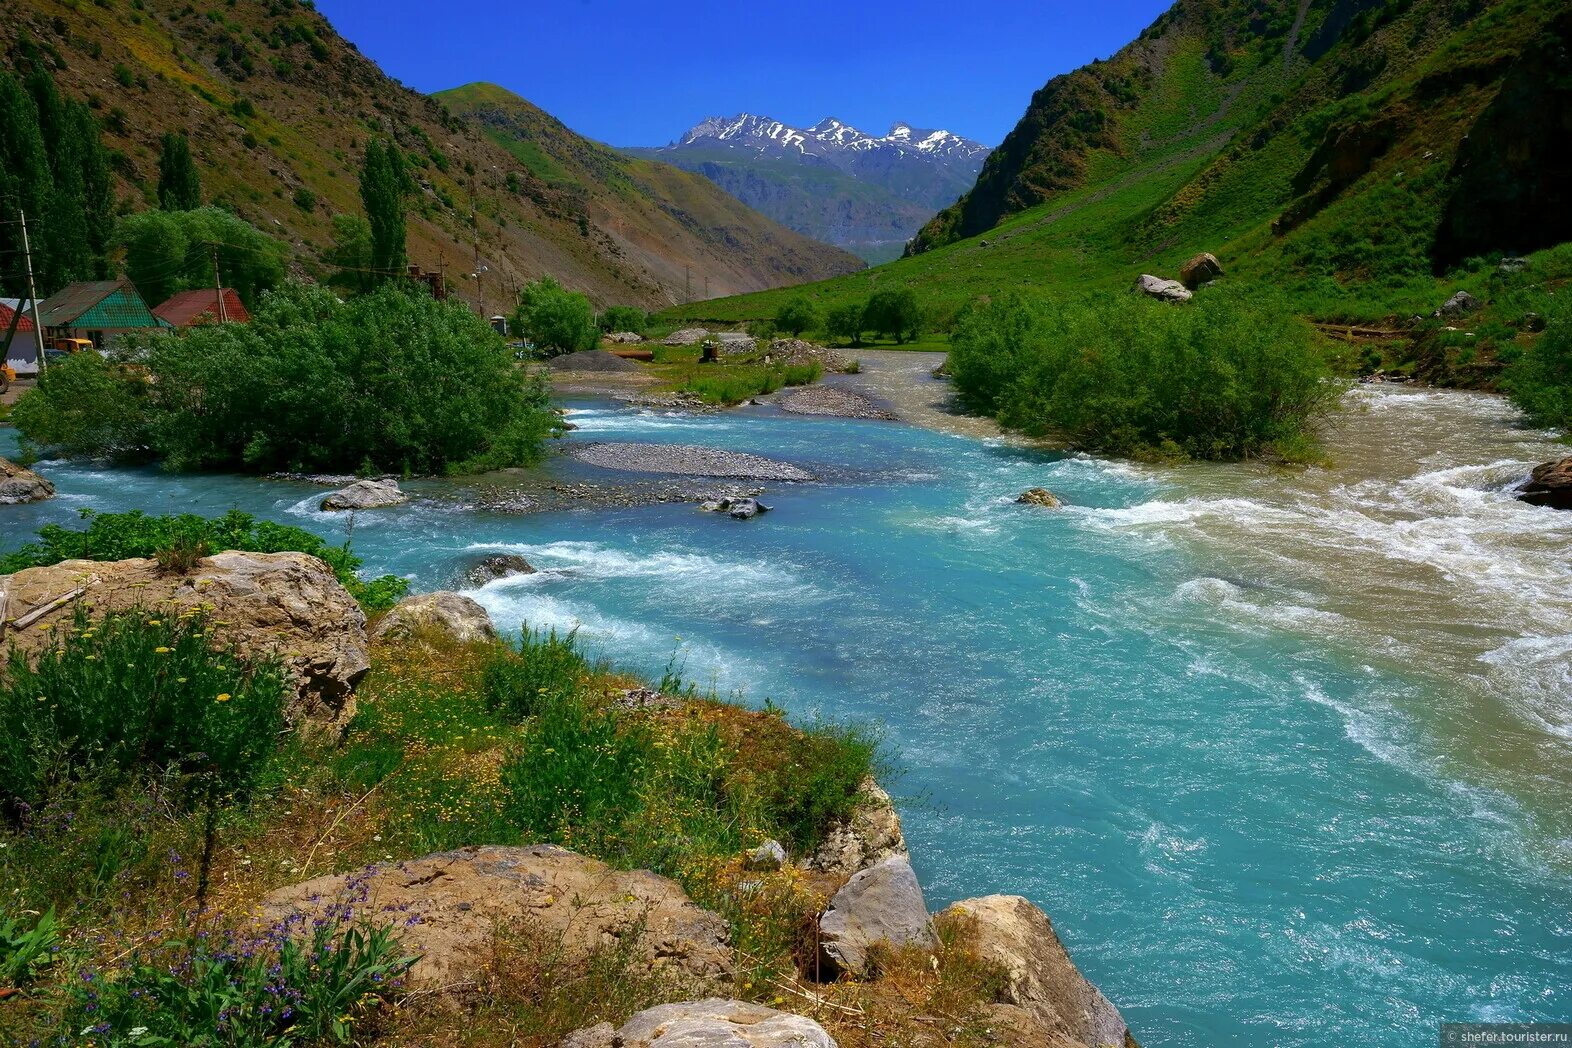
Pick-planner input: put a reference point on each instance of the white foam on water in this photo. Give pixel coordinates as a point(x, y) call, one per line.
point(1260, 614)
point(597, 561)
point(637, 420)
point(1537, 672)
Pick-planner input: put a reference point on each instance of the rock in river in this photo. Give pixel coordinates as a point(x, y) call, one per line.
point(452, 905)
point(496, 566)
point(1166, 290)
point(1039, 497)
point(1549, 485)
point(736, 508)
point(18, 485)
point(687, 460)
point(365, 494)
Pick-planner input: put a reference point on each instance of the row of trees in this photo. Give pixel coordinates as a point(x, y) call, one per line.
point(892, 313)
point(54, 167)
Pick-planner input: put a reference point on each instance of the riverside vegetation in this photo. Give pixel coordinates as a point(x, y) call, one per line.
point(150, 797)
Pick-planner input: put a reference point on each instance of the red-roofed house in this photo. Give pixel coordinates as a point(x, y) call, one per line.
point(202, 306)
point(23, 354)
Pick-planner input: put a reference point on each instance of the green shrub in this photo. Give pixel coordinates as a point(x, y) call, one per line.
point(547, 669)
point(284, 987)
point(393, 380)
point(894, 313)
point(86, 406)
point(818, 782)
point(844, 323)
point(735, 383)
point(133, 694)
point(623, 318)
point(1223, 378)
point(1540, 380)
point(797, 315)
point(555, 319)
point(175, 539)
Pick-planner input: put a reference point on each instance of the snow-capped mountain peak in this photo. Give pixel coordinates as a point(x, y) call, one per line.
point(826, 139)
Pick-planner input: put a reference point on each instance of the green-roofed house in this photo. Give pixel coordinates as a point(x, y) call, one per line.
point(98, 310)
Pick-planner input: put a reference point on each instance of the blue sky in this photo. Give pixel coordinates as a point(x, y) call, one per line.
point(633, 73)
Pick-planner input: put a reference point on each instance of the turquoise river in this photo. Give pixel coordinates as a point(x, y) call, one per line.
point(1285, 754)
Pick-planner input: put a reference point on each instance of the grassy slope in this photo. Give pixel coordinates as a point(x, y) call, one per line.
point(1212, 135)
point(652, 207)
point(275, 101)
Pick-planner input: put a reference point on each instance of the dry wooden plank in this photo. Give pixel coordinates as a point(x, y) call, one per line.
point(44, 609)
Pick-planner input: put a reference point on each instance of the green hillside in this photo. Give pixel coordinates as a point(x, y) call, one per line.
point(1362, 156)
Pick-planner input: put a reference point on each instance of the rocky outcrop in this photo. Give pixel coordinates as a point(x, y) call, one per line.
point(1039, 497)
point(712, 1023)
point(1458, 304)
point(1164, 290)
point(744, 508)
point(365, 494)
point(686, 337)
point(624, 338)
point(444, 612)
point(1201, 269)
point(284, 605)
point(1040, 978)
point(882, 904)
point(872, 832)
point(768, 856)
point(1549, 485)
point(18, 485)
point(496, 566)
point(453, 903)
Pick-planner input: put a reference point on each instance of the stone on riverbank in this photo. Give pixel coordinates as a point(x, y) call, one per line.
point(1010, 932)
point(1039, 497)
point(1164, 290)
point(451, 614)
point(365, 494)
point(712, 1023)
point(736, 508)
point(19, 484)
point(686, 460)
point(452, 904)
point(882, 904)
point(871, 833)
point(286, 605)
point(1549, 485)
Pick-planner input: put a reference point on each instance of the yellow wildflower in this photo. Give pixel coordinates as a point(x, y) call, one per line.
point(223, 697)
point(161, 651)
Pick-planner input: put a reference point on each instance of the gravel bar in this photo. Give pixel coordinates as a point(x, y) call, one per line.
point(686, 460)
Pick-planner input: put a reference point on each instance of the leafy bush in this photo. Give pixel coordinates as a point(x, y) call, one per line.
point(1540, 381)
point(118, 536)
point(1224, 378)
point(545, 670)
point(391, 381)
point(735, 383)
point(555, 319)
point(844, 323)
point(623, 318)
point(135, 694)
point(86, 406)
point(893, 313)
point(282, 988)
point(797, 315)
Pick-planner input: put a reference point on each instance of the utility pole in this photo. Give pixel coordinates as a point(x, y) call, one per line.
point(218, 292)
point(32, 293)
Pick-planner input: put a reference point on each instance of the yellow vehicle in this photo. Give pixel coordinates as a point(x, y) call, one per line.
point(7, 376)
point(70, 345)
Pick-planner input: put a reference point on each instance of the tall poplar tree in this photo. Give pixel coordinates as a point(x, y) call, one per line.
point(179, 186)
point(384, 182)
point(24, 177)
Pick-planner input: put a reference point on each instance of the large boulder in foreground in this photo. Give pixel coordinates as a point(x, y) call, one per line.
point(284, 605)
point(18, 485)
point(366, 494)
point(871, 833)
point(882, 904)
point(712, 1023)
point(1201, 269)
point(1549, 485)
point(1165, 290)
point(454, 903)
point(443, 612)
point(1010, 932)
